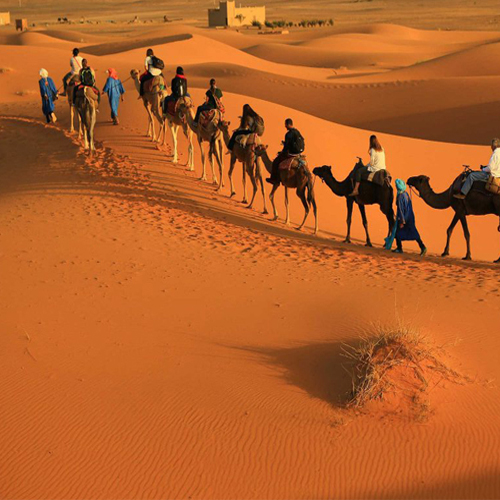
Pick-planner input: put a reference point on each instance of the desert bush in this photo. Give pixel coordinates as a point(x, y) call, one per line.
point(257, 24)
point(398, 364)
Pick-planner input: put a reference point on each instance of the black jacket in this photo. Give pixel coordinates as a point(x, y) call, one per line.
point(179, 87)
point(290, 143)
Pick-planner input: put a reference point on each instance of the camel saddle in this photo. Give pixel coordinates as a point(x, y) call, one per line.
point(380, 177)
point(210, 116)
point(479, 186)
point(173, 105)
point(248, 140)
point(154, 85)
point(89, 92)
point(293, 161)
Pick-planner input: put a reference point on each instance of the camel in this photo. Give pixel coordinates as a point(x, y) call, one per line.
point(70, 90)
point(297, 177)
point(152, 103)
point(369, 194)
point(86, 104)
point(174, 122)
point(477, 202)
point(211, 134)
point(251, 166)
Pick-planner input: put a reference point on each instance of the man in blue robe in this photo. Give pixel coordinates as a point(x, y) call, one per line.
point(114, 89)
point(405, 220)
point(48, 92)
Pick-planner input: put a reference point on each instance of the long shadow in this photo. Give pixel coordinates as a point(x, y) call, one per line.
point(319, 369)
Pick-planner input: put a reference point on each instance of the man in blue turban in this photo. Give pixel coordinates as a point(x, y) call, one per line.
point(405, 220)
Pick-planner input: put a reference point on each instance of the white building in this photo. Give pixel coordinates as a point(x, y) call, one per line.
point(229, 15)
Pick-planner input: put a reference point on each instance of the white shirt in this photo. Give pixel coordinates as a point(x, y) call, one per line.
point(494, 165)
point(148, 64)
point(377, 160)
point(76, 64)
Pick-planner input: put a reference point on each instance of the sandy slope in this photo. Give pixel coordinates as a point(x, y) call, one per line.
point(159, 340)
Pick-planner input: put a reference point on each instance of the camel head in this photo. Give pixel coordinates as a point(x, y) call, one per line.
point(134, 74)
point(418, 181)
point(322, 172)
point(260, 149)
point(224, 125)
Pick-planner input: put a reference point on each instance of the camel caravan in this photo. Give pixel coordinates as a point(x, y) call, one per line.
point(472, 193)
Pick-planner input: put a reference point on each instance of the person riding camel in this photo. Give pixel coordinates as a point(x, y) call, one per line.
point(76, 65)
point(293, 145)
point(87, 79)
point(153, 67)
point(249, 124)
point(212, 101)
point(179, 88)
point(493, 169)
point(376, 163)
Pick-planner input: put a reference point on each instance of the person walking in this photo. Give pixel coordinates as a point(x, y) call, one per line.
point(114, 89)
point(405, 220)
point(48, 93)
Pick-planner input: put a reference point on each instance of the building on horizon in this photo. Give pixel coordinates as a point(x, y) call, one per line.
point(228, 15)
point(4, 18)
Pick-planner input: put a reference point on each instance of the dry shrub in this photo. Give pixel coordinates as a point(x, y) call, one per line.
point(5, 70)
point(23, 93)
point(399, 366)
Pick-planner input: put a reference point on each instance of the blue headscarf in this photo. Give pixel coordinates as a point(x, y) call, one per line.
point(400, 186)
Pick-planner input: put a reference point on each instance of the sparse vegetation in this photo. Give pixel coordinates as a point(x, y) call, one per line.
point(5, 70)
point(399, 365)
point(23, 93)
point(257, 24)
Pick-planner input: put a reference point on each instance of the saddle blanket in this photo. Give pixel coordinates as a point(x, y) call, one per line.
point(154, 85)
point(89, 92)
point(379, 177)
point(248, 140)
point(208, 117)
point(288, 163)
point(477, 186)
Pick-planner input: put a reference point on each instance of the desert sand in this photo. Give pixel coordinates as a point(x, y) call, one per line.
point(160, 340)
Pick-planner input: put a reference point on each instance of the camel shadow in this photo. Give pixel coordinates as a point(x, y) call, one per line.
point(319, 369)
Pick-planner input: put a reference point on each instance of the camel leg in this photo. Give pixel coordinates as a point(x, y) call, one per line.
point(350, 204)
point(465, 227)
point(287, 218)
point(71, 119)
point(244, 200)
point(93, 118)
point(315, 211)
point(218, 152)
point(212, 165)
point(362, 211)
point(302, 195)
point(173, 130)
point(230, 175)
point(190, 161)
point(258, 172)
point(254, 186)
point(271, 197)
point(449, 232)
point(203, 161)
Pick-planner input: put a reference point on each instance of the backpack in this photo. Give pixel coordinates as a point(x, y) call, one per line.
point(300, 144)
point(157, 62)
point(87, 78)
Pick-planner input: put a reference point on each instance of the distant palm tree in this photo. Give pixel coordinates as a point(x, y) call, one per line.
point(240, 18)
